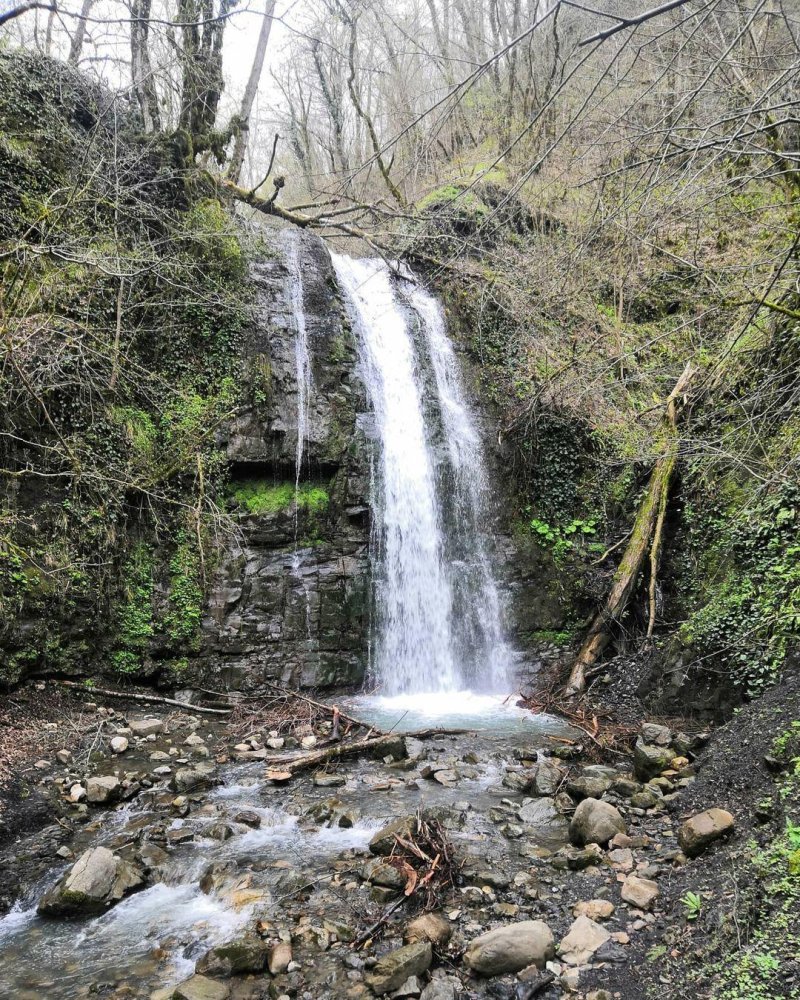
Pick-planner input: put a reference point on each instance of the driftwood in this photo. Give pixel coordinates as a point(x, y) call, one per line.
point(356, 749)
point(333, 709)
point(150, 699)
point(645, 536)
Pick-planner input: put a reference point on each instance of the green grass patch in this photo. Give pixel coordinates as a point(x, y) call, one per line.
point(262, 497)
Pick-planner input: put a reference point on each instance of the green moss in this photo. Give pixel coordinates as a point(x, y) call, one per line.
point(134, 618)
point(262, 497)
point(185, 601)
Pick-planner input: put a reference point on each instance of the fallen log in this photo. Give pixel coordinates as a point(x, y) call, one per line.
point(147, 698)
point(645, 536)
point(356, 749)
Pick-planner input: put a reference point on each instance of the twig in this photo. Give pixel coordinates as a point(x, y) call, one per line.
point(148, 698)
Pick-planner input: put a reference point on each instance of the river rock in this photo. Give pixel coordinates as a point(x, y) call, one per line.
point(96, 881)
point(595, 822)
point(103, 789)
point(588, 786)
point(441, 989)
point(248, 954)
point(594, 909)
point(392, 970)
point(77, 793)
point(539, 813)
point(119, 744)
point(433, 927)
point(702, 829)
point(510, 948)
point(640, 892)
point(547, 778)
point(193, 740)
point(650, 761)
point(382, 873)
point(201, 988)
point(146, 727)
point(248, 817)
point(582, 941)
point(383, 841)
point(656, 735)
point(280, 955)
point(193, 779)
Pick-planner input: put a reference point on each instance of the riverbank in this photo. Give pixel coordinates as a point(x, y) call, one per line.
point(223, 844)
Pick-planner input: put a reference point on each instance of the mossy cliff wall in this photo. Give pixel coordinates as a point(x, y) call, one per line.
point(148, 363)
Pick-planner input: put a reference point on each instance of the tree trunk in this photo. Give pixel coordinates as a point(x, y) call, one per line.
point(144, 86)
point(250, 91)
point(76, 46)
point(645, 536)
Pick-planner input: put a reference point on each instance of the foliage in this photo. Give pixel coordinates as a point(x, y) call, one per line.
point(692, 904)
point(134, 626)
point(263, 497)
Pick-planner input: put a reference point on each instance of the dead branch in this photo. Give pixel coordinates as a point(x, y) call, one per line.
point(147, 698)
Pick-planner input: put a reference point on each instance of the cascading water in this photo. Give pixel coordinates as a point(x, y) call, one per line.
point(305, 386)
point(437, 606)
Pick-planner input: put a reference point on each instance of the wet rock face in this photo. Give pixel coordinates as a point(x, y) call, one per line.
point(288, 599)
point(96, 881)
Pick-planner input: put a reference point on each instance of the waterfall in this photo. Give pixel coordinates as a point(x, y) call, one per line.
point(302, 359)
point(437, 606)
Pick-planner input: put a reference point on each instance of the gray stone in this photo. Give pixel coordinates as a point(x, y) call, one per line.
point(392, 970)
point(433, 927)
point(96, 881)
point(119, 744)
point(442, 989)
point(595, 822)
point(193, 779)
point(703, 829)
point(410, 988)
point(547, 778)
point(383, 841)
point(650, 761)
point(588, 787)
point(201, 988)
point(103, 789)
point(146, 727)
point(510, 948)
point(656, 735)
point(248, 954)
point(639, 892)
point(539, 812)
point(247, 817)
point(582, 941)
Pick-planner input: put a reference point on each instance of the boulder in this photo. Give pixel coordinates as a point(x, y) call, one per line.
point(201, 988)
point(588, 786)
point(146, 727)
point(547, 778)
point(248, 954)
point(649, 761)
point(103, 789)
point(392, 970)
point(193, 779)
point(640, 892)
point(433, 927)
point(595, 822)
point(442, 989)
point(383, 842)
point(702, 829)
point(384, 874)
point(582, 941)
point(542, 814)
point(247, 817)
point(96, 881)
point(510, 948)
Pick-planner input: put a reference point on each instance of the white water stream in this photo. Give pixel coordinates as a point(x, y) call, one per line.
point(438, 617)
